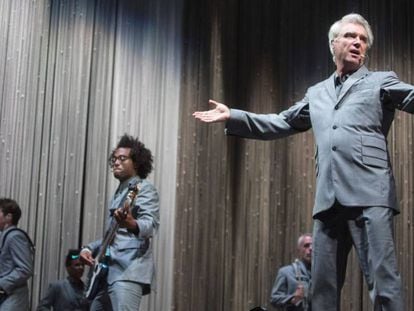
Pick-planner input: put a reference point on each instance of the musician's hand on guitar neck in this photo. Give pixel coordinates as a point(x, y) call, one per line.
point(86, 257)
point(126, 220)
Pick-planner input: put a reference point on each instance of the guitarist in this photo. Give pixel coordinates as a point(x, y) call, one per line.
point(129, 258)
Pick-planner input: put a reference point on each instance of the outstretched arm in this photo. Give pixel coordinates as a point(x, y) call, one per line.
point(219, 113)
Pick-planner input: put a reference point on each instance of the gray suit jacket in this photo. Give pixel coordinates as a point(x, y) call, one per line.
point(131, 256)
point(285, 286)
point(350, 130)
point(16, 267)
point(64, 295)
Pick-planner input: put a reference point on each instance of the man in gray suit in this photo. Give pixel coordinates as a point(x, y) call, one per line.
point(290, 290)
point(16, 258)
point(350, 113)
point(129, 259)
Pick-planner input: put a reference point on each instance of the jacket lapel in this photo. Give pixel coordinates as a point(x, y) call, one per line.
point(330, 86)
point(359, 74)
point(330, 83)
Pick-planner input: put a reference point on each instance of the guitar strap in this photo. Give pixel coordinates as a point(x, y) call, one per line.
point(299, 278)
point(297, 271)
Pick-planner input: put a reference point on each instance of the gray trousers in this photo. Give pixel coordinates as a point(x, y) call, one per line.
point(370, 231)
point(119, 296)
point(18, 300)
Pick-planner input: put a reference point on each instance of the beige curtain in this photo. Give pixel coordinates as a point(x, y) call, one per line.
point(75, 76)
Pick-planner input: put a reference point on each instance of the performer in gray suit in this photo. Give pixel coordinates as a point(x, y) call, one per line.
point(131, 268)
point(16, 258)
point(67, 294)
point(350, 113)
point(291, 289)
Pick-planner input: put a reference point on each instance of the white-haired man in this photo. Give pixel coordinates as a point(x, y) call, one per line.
point(350, 113)
point(291, 289)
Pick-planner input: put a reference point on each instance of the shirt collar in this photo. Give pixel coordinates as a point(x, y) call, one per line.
point(340, 80)
point(125, 184)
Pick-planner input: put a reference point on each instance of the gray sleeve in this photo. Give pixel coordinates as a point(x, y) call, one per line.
point(21, 251)
point(245, 124)
point(148, 216)
point(94, 246)
point(280, 296)
point(398, 94)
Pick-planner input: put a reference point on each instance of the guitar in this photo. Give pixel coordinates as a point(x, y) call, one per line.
point(100, 269)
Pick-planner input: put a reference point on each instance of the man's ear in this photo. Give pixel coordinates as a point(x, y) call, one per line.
point(332, 45)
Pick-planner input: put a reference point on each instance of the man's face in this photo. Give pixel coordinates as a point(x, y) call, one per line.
point(76, 269)
point(5, 220)
point(122, 164)
point(305, 250)
point(350, 47)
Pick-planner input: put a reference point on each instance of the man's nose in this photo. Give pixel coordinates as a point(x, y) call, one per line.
point(357, 42)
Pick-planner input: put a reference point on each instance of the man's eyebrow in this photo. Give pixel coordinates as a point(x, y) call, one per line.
point(355, 34)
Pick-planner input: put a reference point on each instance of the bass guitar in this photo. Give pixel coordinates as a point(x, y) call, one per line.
point(100, 269)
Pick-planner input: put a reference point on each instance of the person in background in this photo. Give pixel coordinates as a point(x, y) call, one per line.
point(16, 258)
point(67, 294)
point(291, 289)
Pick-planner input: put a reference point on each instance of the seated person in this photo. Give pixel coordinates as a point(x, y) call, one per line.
point(67, 294)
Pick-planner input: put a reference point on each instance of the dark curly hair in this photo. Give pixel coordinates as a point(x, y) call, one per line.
point(141, 156)
point(9, 206)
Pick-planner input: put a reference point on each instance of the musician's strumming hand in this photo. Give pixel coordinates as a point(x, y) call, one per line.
point(126, 220)
point(86, 257)
point(298, 295)
point(219, 113)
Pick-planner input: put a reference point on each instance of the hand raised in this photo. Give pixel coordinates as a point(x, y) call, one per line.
point(219, 113)
point(86, 257)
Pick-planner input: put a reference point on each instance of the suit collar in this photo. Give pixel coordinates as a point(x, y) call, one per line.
point(121, 192)
point(303, 270)
point(7, 229)
point(125, 184)
point(353, 78)
point(356, 76)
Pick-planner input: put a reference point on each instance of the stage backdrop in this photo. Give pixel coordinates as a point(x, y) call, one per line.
point(241, 204)
point(76, 75)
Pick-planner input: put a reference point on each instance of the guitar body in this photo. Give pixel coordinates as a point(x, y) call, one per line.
point(100, 270)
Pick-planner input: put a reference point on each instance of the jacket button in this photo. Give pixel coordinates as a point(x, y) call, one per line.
point(334, 148)
point(334, 127)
